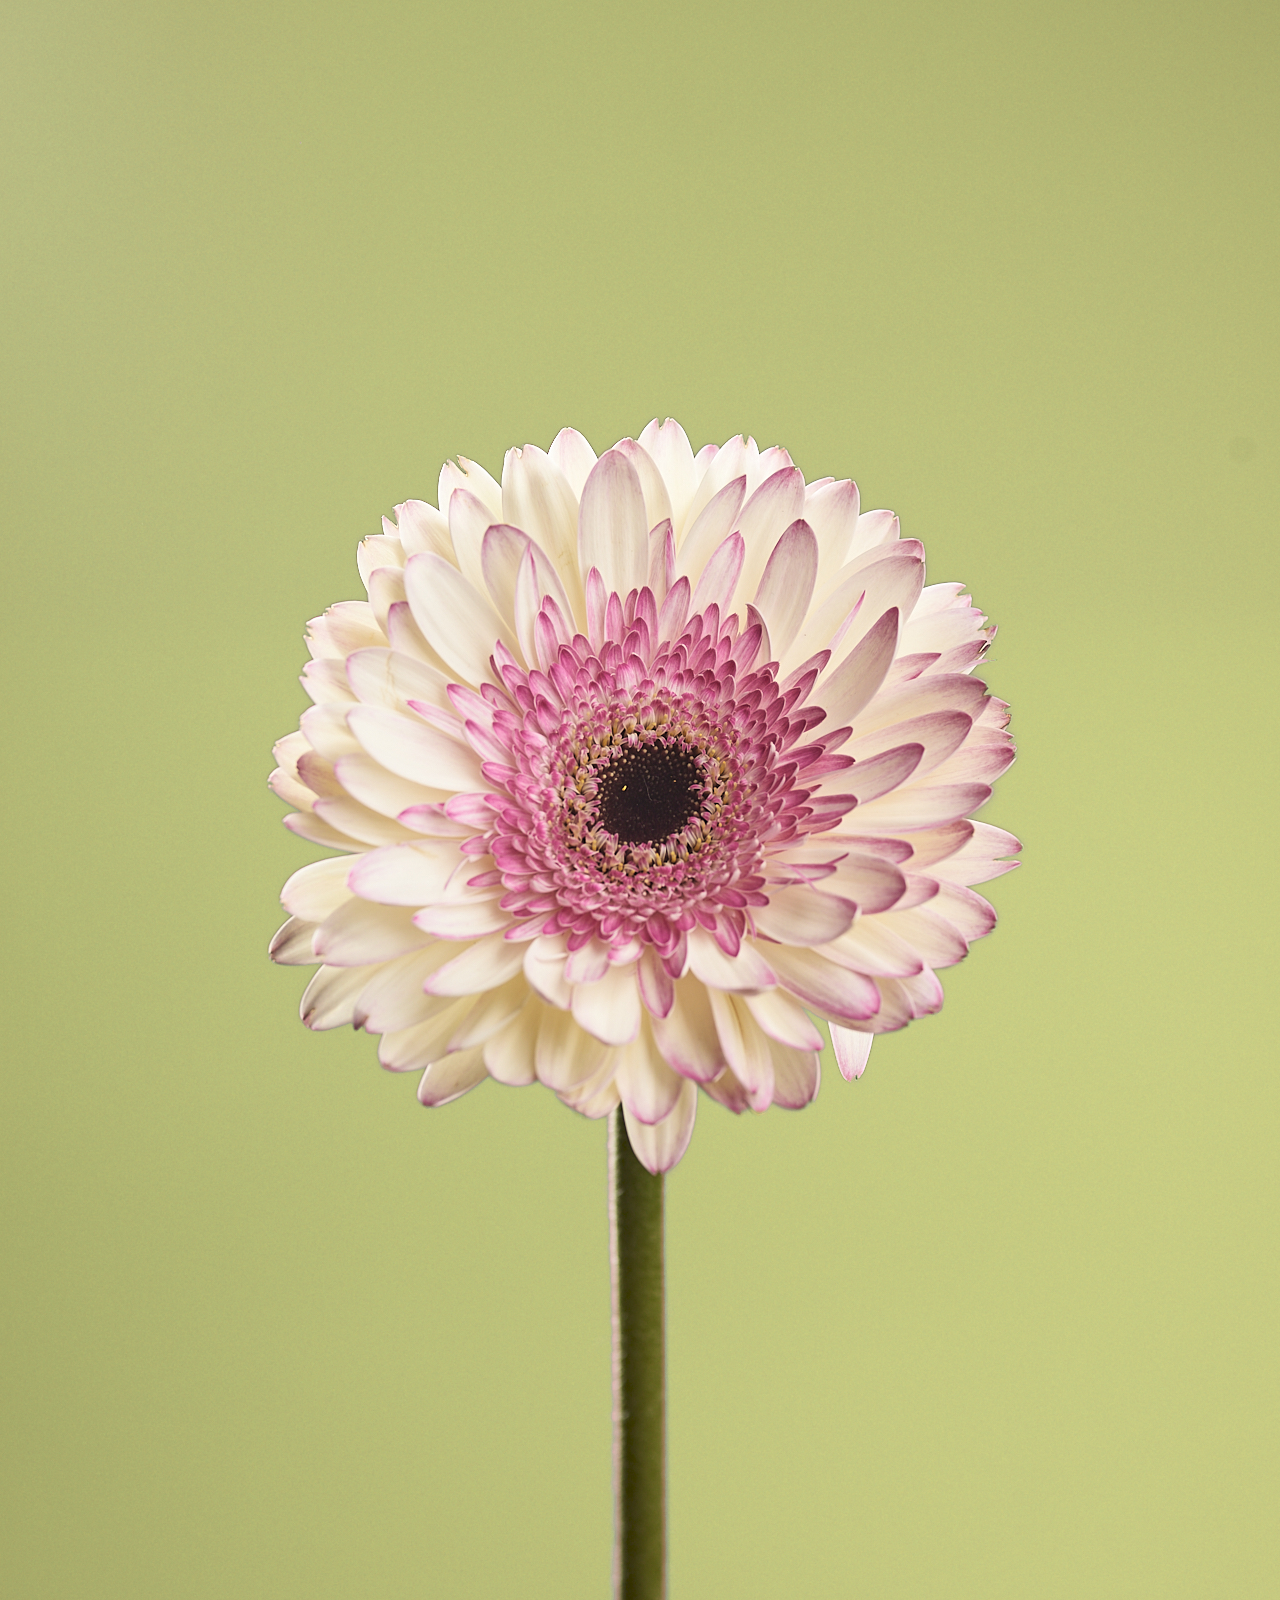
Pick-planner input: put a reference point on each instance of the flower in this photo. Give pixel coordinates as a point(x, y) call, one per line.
point(638, 765)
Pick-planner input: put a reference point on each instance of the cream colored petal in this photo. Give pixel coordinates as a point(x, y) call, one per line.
point(613, 535)
point(451, 1077)
point(318, 888)
point(668, 446)
point(659, 1146)
point(537, 497)
point(574, 456)
point(456, 620)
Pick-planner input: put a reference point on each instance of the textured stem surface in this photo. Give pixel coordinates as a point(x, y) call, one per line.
point(639, 1373)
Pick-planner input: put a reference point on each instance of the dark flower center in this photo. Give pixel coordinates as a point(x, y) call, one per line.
point(648, 792)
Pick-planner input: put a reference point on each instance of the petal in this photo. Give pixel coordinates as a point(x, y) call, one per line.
point(508, 1055)
point(464, 917)
point(613, 535)
point(832, 513)
point(719, 578)
point(359, 933)
point(747, 970)
point(565, 1055)
point(393, 996)
point(775, 506)
point(796, 1076)
point(854, 684)
point(709, 531)
point(329, 1000)
point(574, 456)
point(369, 782)
point(291, 946)
point(490, 1013)
point(459, 623)
point(544, 964)
point(413, 749)
point(929, 935)
point(317, 889)
point(979, 857)
point(464, 474)
point(851, 1050)
point(647, 1086)
point(537, 497)
point(746, 1047)
point(658, 1146)
point(406, 874)
point(669, 447)
point(609, 1008)
point(803, 916)
point(784, 1019)
point(411, 1049)
point(687, 1035)
point(871, 946)
point(786, 587)
point(831, 990)
point(451, 1077)
point(657, 502)
point(924, 806)
point(487, 964)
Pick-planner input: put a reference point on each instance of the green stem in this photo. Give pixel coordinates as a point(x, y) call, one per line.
point(639, 1373)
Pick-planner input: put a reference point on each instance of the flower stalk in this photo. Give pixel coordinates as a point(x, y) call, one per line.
point(639, 1372)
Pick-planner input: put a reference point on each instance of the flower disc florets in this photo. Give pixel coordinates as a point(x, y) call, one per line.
point(637, 765)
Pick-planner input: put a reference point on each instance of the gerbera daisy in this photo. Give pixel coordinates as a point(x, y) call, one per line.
point(640, 767)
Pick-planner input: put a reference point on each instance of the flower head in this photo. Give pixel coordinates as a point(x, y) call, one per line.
point(638, 765)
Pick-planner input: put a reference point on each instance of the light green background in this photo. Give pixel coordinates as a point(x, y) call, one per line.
point(999, 1321)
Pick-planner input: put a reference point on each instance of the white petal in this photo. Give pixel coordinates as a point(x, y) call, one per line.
point(464, 474)
point(565, 1055)
point(832, 513)
point(871, 946)
point(787, 585)
point(709, 531)
point(659, 1146)
point(803, 916)
point(406, 874)
point(574, 456)
point(853, 685)
point(672, 454)
point(509, 1054)
point(929, 935)
point(413, 749)
point(469, 518)
point(291, 946)
point(831, 990)
point(393, 996)
point(796, 1076)
point(452, 1076)
point(648, 1088)
point(775, 505)
point(784, 1019)
point(359, 933)
point(610, 1007)
point(421, 527)
point(329, 1000)
point(537, 497)
point(687, 1034)
point(327, 731)
point(939, 734)
point(978, 858)
point(317, 889)
point(903, 701)
point(719, 578)
point(708, 962)
point(544, 963)
point(613, 535)
point(923, 806)
point(457, 622)
point(851, 1050)
point(484, 965)
point(317, 831)
point(410, 1049)
point(490, 1013)
point(348, 816)
point(745, 1046)
point(369, 782)
point(464, 917)
point(657, 502)
point(730, 461)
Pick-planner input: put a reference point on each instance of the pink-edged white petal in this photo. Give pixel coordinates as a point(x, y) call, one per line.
point(317, 889)
point(464, 916)
point(831, 990)
point(852, 1050)
point(872, 947)
point(292, 944)
point(719, 578)
point(490, 1013)
point(537, 497)
point(459, 623)
point(786, 586)
point(369, 782)
point(406, 874)
point(410, 1049)
point(797, 1075)
point(745, 1046)
point(749, 969)
point(657, 500)
point(393, 996)
point(410, 747)
point(784, 1019)
point(452, 1076)
point(566, 1054)
point(509, 1054)
point(984, 855)
point(544, 964)
point(924, 805)
point(613, 535)
point(687, 1035)
point(709, 530)
point(610, 1007)
point(855, 682)
point(574, 456)
point(668, 447)
point(329, 1000)
point(774, 507)
point(803, 916)
point(647, 1086)
point(658, 1146)
point(359, 933)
